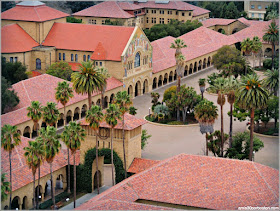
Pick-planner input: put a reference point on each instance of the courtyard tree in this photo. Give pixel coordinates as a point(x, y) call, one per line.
point(271, 81)
point(9, 98)
point(105, 74)
point(273, 109)
point(132, 110)
point(35, 113)
point(87, 80)
point(50, 113)
point(5, 187)
point(206, 113)
point(251, 96)
point(201, 83)
point(155, 97)
point(256, 47)
point(73, 136)
point(13, 71)
point(94, 117)
point(111, 117)
point(123, 100)
point(215, 144)
point(61, 70)
point(63, 94)
point(10, 138)
point(231, 68)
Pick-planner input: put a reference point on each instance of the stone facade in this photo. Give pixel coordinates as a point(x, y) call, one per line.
point(256, 9)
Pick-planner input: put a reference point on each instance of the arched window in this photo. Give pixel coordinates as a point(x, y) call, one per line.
point(76, 57)
point(63, 56)
point(85, 58)
point(72, 57)
point(88, 57)
point(38, 64)
point(59, 56)
point(137, 60)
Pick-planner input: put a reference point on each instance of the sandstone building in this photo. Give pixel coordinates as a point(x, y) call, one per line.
point(256, 9)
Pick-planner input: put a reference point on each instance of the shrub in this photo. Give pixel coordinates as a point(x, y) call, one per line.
point(144, 138)
point(161, 109)
point(168, 93)
point(267, 63)
point(48, 203)
point(176, 123)
point(73, 20)
point(132, 110)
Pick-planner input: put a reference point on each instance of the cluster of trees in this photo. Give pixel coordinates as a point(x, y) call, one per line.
point(61, 70)
point(272, 8)
point(174, 28)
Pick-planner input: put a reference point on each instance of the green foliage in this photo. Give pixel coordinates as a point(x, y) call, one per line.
point(73, 20)
point(94, 116)
point(175, 29)
point(161, 109)
point(9, 98)
point(241, 144)
point(274, 6)
point(123, 100)
point(175, 123)
point(144, 138)
point(155, 96)
point(47, 204)
point(5, 187)
point(212, 77)
point(206, 112)
point(13, 72)
point(168, 93)
point(214, 144)
point(61, 70)
point(271, 81)
point(132, 110)
point(50, 113)
point(267, 63)
point(201, 82)
point(6, 5)
point(76, 6)
point(9, 137)
point(115, 23)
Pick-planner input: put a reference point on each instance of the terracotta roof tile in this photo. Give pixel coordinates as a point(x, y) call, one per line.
point(14, 39)
point(131, 122)
point(217, 21)
point(141, 164)
point(129, 6)
point(31, 89)
point(198, 181)
point(38, 13)
point(75, 66)
point(108, 9)
point(35, 73)
point(99, 53)
point(73, 36)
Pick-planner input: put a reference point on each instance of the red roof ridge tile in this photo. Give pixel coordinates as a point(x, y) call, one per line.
point(124, 12)
point(26, 91)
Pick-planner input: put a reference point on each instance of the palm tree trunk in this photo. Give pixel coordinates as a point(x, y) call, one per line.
point(89, 100)
point(178, 90)
point(68, 184)
point(222, 132)
point(112, 161)
point(230, 126)
point(96, 158)
point(124, 158)
point(38, 190)
point(251, 134)
point(52, 188)
point(74, 179)
point(273, 46)
point(102, 99)
point(206, 147)
point(10, 159)
point(34, 199)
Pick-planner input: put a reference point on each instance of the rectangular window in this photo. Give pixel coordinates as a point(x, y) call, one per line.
point(147, 11)
point(72, 57)
point(252, 6)
point(183, 14)
point(63, 56)
point(161, 12)
point(100, 63)
point(11, 59)
point(253, 15)
point(88, 57)
point(85, 58)
point(96, 63)
point(260, 15)
point(190, 14)
point(59, 56)
point(176, 12)
point(147, 20)
point(161, 20)
point(15, 59)
point(76, 57)
point(259, 7)
point(169, 12)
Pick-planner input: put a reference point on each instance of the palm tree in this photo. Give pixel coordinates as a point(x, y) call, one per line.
point(220, 88)
point(272, 15)
point(9, 139)
point(50, 113)
point(201, 83)
point(73, 136)
point(246, 47)
point(95, 116)
point(112, 114)
point(256, 47)
point(87, 80)
point(105, 74)
point(52, 147)
point(272, 36)
point(5, 187)
point(231, 85)
point(32, 161)
point(272, 80)
point(206, 113)
point(251, 96)
point(35, 113)
point(123, 100)
point(63, 94)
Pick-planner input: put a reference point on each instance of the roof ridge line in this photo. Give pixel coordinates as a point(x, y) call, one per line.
point(125, 13)
point(19, 157)
point(26, 91)
point(37, 13)
point(265, 180)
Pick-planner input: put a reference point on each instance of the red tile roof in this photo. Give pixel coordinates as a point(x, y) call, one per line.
point(217, 21)
point(129, 6)
point(74, 66)
point(108, 9)
point(35, 73)
point(39, 13)
point(99, 53)
point(141, 164)
point(83, 37)
point(21, 174)
point(14, 39)
point(198, 181)
point(130, 122)
point(35, 89)
point(198, 10)
point(199, 42)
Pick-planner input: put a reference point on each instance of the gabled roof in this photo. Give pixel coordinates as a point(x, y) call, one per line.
point(32, 89)
point(14, 39)
point(107, 9)
point(197, 181)
point(99, 53)
point(217, 21)
point(32, 11)
point(141, 164)
point(85, 37)
point(22, 175)
point(131, 122)
point(129, 6)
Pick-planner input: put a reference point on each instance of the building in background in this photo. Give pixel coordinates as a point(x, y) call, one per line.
point(256, 9)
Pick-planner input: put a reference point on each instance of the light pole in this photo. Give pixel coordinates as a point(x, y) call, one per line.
point(149, 112)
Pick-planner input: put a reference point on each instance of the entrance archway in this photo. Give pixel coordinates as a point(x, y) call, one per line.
point(130, 91)
point(137, 89)
point(24, 203)
point(15, 203)
point(154, 83)
point(165, 79)
point(38, 64)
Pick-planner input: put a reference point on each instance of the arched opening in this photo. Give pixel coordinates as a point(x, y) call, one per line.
point(165, 80)
point(235, 30)
point(171, 76)
point(84, 110)
point(95, 179)
point(199, 65)
point(221, 31)
point(112, 98)
point(47, 192)
point(191, 69)
point(39, 197)
point(38, 64)
point(59, 182)
point(6, 207)
point(34, 132)
point(24, 203)
point(154, 83)
point(175, 75)
point(68, 116)
point(19, 132)
point(238, 46)
point(129, 90)
point(137, 89)
point(98, 102)
point(15, 203)
point(106, 102)
point(76, 114)
point(186, 70)
point(27, 132)
point(43, 125)
point(268, 52)
point(209, 61)
point(60, 122)
point(160, 81)
point(195, 67)
point(145, 86)
point(204, 63)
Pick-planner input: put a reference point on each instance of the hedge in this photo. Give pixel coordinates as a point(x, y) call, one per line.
point(84, 172)
point(49, 203)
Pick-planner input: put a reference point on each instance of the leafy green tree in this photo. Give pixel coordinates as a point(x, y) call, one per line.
point(61, 70)
point(78, 6)
point(87, 80)
point(6, 5)
point(161, 109)
point(5, 187)
point(75, 135)
point(144, 138)
point(50, 113)
point(111, 117)
point(10, 138)
point(231, 11)
point(273, 109)
point(132, 110)
point(35, 113)
point(9, 98)
point(271, 81)
point(155, 97)
point(256, 47)
point(272, 8)
point(13, 71)
point(241, 146)
point(215, 144)
point(115, 23)
point(231, 68)
point(251, 96)
point(123, 101)
point(94, 117)
point(73, 20)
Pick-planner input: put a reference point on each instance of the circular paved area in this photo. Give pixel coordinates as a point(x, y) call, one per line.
point(169, 141)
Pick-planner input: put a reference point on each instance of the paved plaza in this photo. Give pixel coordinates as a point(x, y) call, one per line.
point(169, 141)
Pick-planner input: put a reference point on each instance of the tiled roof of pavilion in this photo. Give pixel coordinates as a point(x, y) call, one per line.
point(196, 181)
point(217, 21)
point(141, 164)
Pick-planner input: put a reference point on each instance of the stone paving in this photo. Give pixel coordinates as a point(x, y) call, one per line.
point(169, 141)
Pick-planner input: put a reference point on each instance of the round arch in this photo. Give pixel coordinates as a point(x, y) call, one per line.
point(98, 102)
point(199, 65)
point(112, 98)
point(209, 61)
point(155, 83)
point(27, 132)
point(175, 75)
point(47, 191)
point(60, 122)
point(34, 133)
point(39, 197)
point(129, 91)
point(235, 30)
point(106, 102)
point(84, 110)
point(191, 69)
point(160, 81)
point(24, 203)
point(165, 80)
point(59, 182)
point(68, 116)
point(195, 67)
point(268, 52)
point(186, 70)
point(145, 86)
point(76, 114)
point(137, 90)
point(19, 132)
point(171, 76)
point(15, 203)
point(204, 63)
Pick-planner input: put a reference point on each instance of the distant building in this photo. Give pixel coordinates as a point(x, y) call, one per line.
point(256, 9)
